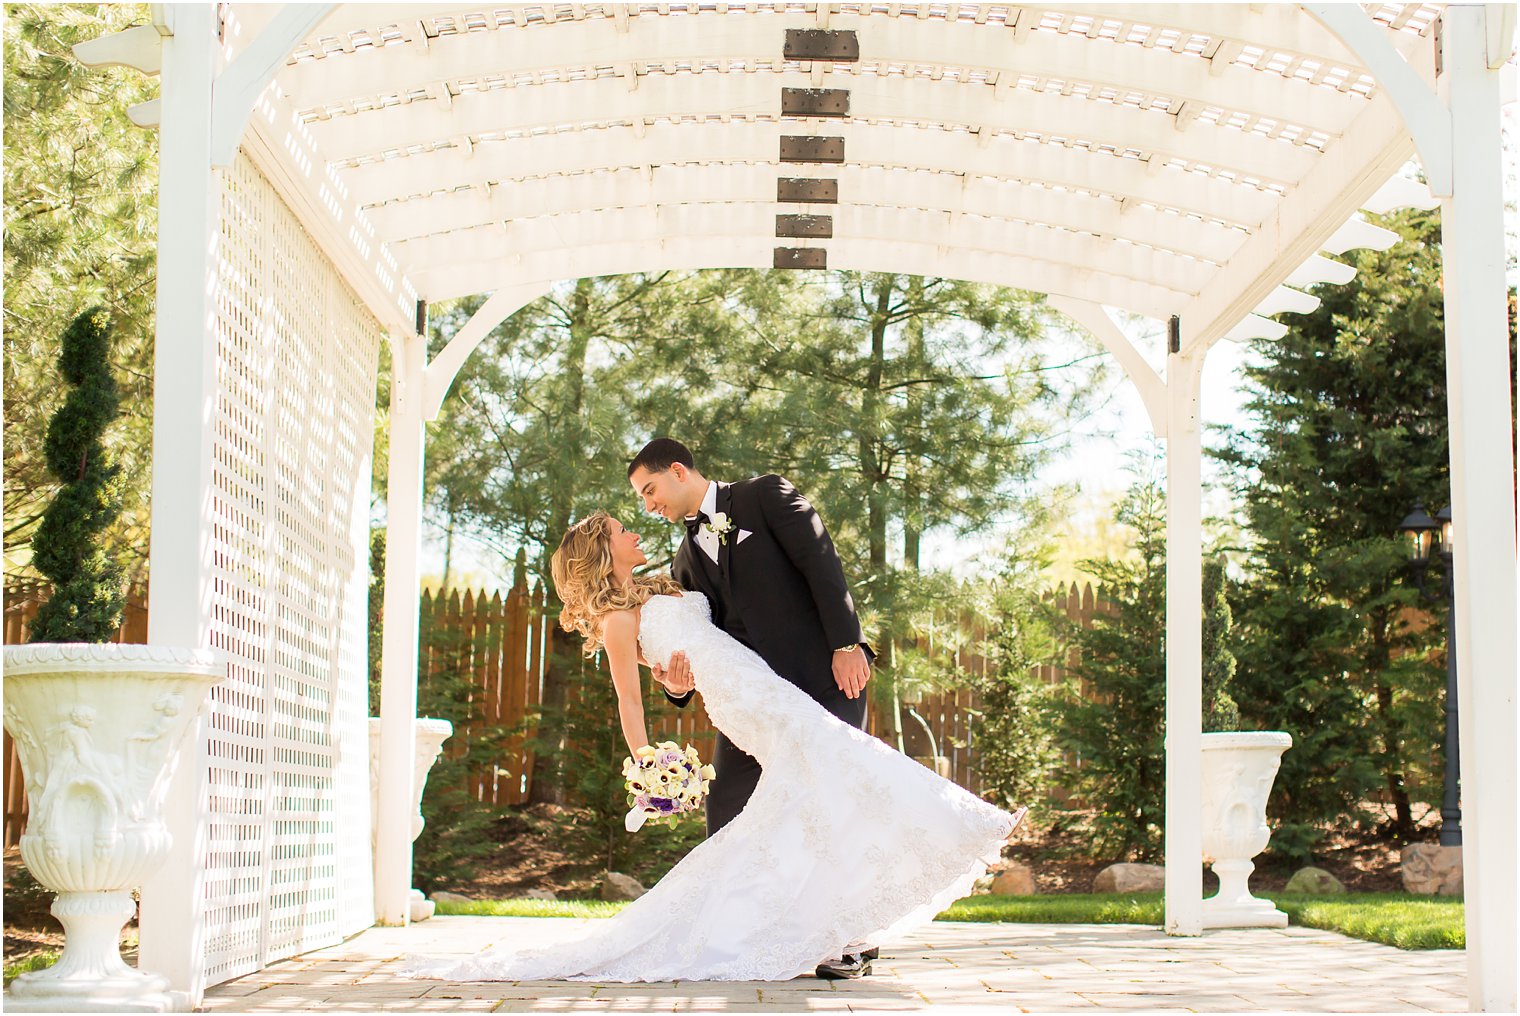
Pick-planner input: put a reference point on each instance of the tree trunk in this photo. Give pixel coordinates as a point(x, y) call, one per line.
point(548, 782)
point(448, 551)
point(870, 436)
point(889, 654)
point(1393, 770)
point(912, 467)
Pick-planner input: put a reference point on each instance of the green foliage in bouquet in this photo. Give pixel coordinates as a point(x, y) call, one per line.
point(68, 548)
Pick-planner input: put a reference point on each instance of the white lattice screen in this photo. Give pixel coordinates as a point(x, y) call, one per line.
point(288, 863)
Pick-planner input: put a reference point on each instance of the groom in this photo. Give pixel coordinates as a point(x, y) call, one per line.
point(759, 553)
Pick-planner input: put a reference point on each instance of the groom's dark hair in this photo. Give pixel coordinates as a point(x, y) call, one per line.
point(660, 454)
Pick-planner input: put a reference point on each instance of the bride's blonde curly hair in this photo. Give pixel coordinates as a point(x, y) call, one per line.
point(582, 570)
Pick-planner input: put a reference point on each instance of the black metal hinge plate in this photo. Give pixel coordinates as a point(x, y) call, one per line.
point(813, 226)
point(817, 192)
point(821, 44)
point(812, 149)
point(815, 102)
point(801, 257)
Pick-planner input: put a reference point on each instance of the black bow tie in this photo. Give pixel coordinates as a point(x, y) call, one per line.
point(695, 523)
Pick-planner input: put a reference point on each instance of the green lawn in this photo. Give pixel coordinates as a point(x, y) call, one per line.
point(1400, 919)
point(36, 961)
point(530, 908)
point(1397, 919)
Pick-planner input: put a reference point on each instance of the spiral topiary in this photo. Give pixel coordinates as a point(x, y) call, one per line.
point(87, 598)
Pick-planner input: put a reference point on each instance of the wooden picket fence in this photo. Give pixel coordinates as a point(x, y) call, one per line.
point(501, 645)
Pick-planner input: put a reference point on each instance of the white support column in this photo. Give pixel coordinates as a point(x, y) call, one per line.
point(184, 398)
point(1479, 392)
point(398, 653)
point(1184, 646)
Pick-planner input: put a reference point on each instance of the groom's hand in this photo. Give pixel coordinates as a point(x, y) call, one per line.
point(676, 675)
point(852, 671)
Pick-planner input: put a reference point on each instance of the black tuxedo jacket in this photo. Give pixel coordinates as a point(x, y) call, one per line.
point(781, 590)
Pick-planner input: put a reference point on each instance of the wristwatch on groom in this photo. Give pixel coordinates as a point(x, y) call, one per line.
point(849, 648)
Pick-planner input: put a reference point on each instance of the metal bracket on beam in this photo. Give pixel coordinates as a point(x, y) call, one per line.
point(813, 192)
point(811, 149)
point(815, 102)
point(800, 257)
point(811, 226)
point(816, 44)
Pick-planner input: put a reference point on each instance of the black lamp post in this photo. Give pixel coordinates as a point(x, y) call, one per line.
point(1419, 529)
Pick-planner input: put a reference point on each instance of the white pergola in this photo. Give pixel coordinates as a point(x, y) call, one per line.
point(1195, 164)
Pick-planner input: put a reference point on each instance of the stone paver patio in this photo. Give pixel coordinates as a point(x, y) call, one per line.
point(1002, 968)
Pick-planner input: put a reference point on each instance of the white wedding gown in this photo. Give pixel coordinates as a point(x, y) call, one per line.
point(845, 841)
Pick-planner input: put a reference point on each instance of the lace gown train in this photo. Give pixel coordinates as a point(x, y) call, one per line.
point(845, 841)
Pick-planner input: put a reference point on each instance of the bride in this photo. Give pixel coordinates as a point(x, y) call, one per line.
point(845, 839)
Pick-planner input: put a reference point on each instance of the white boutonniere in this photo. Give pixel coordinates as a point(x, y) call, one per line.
point(719, 524)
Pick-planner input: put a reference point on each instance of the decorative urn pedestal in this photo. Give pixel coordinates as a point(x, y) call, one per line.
point(98, 728)
point(429, 736)
point(1238, 770)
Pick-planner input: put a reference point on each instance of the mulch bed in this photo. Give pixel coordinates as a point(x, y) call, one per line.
point(529, 859)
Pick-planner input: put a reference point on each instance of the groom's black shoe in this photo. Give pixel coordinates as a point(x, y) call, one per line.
point(847, 967)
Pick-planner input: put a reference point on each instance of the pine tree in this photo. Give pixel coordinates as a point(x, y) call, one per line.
point(1112, 711)
point(80, 210)
point(1015, 747)
point(1220, 713)
point(1348, 430)
point(87, 598)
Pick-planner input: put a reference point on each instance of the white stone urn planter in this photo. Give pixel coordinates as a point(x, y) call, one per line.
point(98, 729)
point(429, 735)
point(1238, 770)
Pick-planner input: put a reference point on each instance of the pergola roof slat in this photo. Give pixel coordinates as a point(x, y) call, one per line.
point(663, 185)
point(1164, 139)
point(1077, 119)
point(661, 252)
point(598, 42)
point(951, 152)
point(588, 229)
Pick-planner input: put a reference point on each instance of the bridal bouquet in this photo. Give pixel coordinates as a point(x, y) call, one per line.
point(664, 779)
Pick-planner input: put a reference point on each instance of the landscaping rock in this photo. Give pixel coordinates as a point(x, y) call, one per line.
point(446, 897)
point(1014, 880)
point(540, 894)
point(1130, 878)
point(983, 885)
point(1431, 869)
point(1315, 881)
point(617, 886)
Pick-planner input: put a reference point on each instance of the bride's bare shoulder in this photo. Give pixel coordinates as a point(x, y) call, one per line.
point(620, 624)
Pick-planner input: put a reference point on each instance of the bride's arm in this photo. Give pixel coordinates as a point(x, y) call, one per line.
point(620, 632)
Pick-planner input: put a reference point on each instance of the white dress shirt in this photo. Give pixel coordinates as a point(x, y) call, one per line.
point(706, 538)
